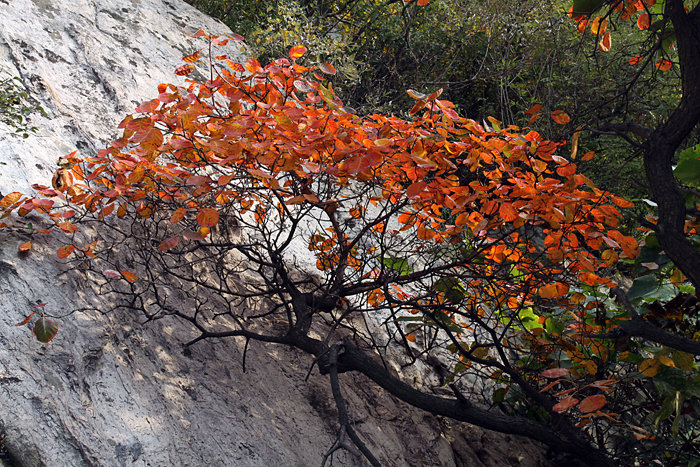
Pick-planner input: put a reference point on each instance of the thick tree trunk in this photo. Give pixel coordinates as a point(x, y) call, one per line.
point(662, 144)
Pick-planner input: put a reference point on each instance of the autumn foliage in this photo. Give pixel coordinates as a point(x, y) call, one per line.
point(468, 237)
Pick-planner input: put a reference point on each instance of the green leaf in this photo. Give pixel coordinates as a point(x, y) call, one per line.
point(688, 168)
point(396, 264)
point(451, 287)
point(586, 7)
point(529, 319)
point(499, 395)
point(554, 326)
point(45, 329)
point(642, 286)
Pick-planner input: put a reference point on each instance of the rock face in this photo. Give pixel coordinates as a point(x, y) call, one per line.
point(109, 390)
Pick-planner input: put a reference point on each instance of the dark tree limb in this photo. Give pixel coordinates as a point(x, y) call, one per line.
point(662, 144)
point(638, 327)
point(354, 359)
point(345, 426)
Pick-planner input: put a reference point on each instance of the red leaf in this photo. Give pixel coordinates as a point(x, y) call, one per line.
point(605, 43)
point(193, 57)
point(592, 403)
point(178, 215)
point(507, 212)
point(553, 373)
point(534, 109)
point(25, 320)
point(635, 60)
point(643, 21)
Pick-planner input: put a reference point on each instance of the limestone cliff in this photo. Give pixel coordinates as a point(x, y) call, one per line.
point(109, 390)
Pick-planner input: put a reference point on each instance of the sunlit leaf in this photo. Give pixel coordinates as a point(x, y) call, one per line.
point(297, 51)
point(184, 70)
point(10, 199)
point(605, 43)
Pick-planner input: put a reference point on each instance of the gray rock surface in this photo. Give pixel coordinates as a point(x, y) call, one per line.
point(109, 390)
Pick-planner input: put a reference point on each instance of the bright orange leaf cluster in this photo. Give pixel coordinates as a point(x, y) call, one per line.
point(265, 140)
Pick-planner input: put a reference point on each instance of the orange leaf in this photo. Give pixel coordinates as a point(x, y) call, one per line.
point(178, 215)
point(549, 291)
point(592, 403)
point(423, 2)
point(664, 64)
point(599, 25)
point(534, 109)
point(565, 404)
point(605, 42)
point(411, 337)
point(643, 21)
point(588, 156)
point(635, 60)
point(207, 217)
point(184, 70)
point(415, 189)
point(297, 51)
point(9, 200)
point(507, 212)
point(26, 246)
point(561, 117)
point(130, 276)
point(65, 251)
point(192, 57)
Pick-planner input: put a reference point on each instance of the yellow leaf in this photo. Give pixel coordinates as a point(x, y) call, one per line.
point(649, 367)
point(666, 361)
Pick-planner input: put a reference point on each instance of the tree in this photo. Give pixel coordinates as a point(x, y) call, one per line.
point(474, 246)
